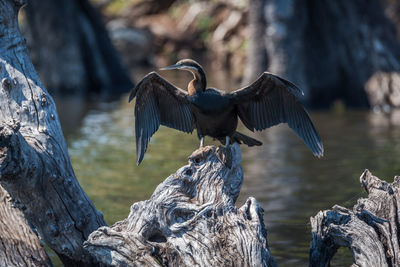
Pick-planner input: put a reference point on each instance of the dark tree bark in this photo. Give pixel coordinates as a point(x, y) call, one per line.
point(330, 49)
point(370, 230)
point(19, 245)
point(190, 220)
point(35, 168)
point(71, 48)
point(257, 59)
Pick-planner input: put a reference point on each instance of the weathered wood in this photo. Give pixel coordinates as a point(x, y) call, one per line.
point(370, 230)
point(190, 220)
point(19, 245)
point(35, 168)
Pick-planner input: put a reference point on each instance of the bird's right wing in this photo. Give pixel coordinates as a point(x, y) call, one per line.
point(158, 102)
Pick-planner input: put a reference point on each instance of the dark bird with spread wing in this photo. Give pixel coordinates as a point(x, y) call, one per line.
point(268, 101)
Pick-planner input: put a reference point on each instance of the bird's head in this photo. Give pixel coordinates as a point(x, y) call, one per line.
point(185, 64)
point(190, 65)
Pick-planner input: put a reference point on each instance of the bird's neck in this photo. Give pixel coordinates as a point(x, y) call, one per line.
point(198, 84)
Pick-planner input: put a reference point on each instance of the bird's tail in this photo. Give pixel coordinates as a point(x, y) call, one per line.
point(241, 138)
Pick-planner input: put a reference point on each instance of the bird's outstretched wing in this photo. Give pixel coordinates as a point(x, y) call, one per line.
point(271, 100)
point(158, 102)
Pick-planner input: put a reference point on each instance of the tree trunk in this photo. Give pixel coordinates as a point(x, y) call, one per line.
point(190, 220)
point(370, 230)
point(19, 245)
point(71, 48)
point(330, 49)
point(35, 168)
point(257, 59)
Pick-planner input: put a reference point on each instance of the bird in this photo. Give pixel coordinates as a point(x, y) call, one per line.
point(268, 101)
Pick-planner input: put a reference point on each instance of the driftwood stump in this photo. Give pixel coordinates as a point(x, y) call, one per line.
point(370, 230)
point(190, 220)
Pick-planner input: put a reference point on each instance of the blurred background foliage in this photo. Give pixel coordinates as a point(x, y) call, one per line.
point(345, 56)
point(345, 51)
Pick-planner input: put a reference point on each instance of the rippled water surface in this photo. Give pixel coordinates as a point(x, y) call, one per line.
point(290, 184)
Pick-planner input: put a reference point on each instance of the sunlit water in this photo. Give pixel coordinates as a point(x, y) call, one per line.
point(290, 184)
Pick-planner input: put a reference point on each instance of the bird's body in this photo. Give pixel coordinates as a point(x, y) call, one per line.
point(215, 115)
point(270, 100)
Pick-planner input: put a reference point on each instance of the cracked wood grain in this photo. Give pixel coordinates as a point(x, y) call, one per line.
point(19, 245)
point(369, 230)
point(190, 220)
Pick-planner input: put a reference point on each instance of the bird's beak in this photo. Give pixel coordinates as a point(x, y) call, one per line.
point(172, 67)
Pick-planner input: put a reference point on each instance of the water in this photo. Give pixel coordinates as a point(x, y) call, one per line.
point(290, 184)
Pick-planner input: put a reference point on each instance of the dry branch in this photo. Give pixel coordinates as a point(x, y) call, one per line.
point(369, 230)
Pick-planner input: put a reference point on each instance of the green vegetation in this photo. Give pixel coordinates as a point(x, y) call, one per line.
point(205, 25)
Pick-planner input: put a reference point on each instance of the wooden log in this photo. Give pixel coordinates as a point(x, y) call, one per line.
point(370, 230)
point(19, 245)
point(190, 220)
point(35, 168)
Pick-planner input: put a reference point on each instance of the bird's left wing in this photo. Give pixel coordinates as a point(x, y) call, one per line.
point(271, 100)
point(158, 102)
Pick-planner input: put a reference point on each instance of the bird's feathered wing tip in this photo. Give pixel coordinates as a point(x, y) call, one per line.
point(320, 152)
point(318, 149)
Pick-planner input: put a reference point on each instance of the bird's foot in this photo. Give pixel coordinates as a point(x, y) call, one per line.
point(224, 155)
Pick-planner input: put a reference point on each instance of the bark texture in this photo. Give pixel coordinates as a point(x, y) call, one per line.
point(72, 50)
point(35, 168)
point(190, 220)
point(19, 245)
point(370, 230)
point(330, 49)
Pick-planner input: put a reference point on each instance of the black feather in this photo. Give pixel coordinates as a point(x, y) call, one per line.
point(271, 100)
point(158, 103)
